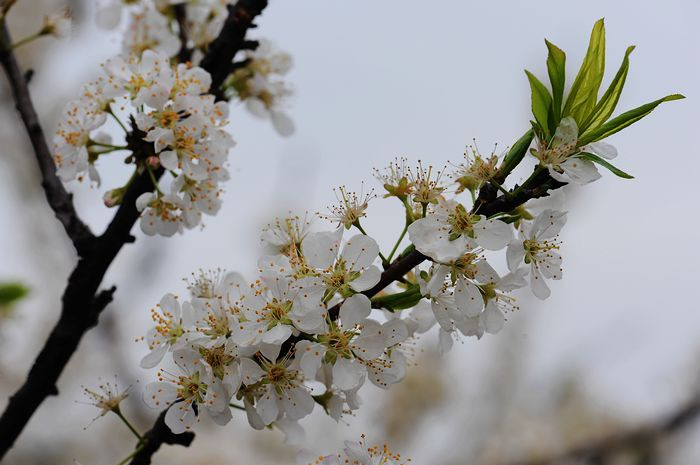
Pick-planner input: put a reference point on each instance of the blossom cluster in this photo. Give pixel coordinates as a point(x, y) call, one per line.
point(310, 328)
point(171, 118)
point(154, 25)
point(322, 313)
point(170, 108)
point(265, 343)
point(259, 83)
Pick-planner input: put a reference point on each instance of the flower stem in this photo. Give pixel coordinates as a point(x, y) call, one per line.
point(130, 456)
point(153, 179)
point(110, 146)
point(111, 112)
point(236, 406)
point(128, 425)
point(396, 246)
point(26, 40)
point(500, 188)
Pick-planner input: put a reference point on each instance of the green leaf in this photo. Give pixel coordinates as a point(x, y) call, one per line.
point(399, 301)
point(605, 107)
point(541, 102)
point(603, 162)
point(627, 118)
point(515, 154)
point(556, 67)
point(584, 91)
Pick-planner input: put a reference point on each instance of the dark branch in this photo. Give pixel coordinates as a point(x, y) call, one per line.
point(185, 53)
point(59, 199)
point(219, 59)
point(159, 434)
point(643, 440)
point(489, 203)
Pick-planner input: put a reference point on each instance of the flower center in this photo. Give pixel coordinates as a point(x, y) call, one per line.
point(218, 359)
point(76, 138)
point(191, 389)
point(538, 251)
point(276, 311)
point(555, 156)
point(462, 222)
point(465, 266)
point(168, 118)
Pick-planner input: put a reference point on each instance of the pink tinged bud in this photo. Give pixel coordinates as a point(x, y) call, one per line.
point(153, 162)
point(113, 197)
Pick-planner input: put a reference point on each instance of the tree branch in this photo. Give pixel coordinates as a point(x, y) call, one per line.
point(59, 199)
point(219, 59)
point(158, 435)
point(81, 302)
point(185, 53)
point(642, 439)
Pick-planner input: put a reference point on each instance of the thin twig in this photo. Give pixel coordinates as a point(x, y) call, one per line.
point(60, 201)
point(185, 53)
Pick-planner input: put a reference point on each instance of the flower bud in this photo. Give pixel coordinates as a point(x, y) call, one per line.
point(153, 162)
point(114, 197)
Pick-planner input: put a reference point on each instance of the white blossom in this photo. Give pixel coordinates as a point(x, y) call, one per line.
point(272, 309)
point(148, 30)
point(172, 322)
point(70, 143)
point(259, 84)
point(146, 79)
point(194, 386)
point(161, 214)
point(538, 247)
point(284, 236)
point(277, 389)
point(450, 230)
point(350, 271)
point(562, 159)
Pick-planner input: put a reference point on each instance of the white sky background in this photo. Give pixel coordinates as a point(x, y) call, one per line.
point(379, 79)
